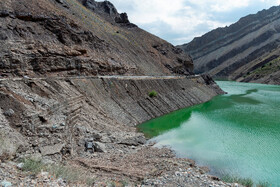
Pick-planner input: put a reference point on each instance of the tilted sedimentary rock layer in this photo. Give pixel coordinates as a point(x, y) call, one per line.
point(236, 51)
point(55, 117)
point(75, 37)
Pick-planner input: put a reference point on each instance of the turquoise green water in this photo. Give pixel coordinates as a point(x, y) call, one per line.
point(236, 134)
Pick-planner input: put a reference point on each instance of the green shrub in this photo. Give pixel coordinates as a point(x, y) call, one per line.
point(263, 184)
point(32, 166)
point(153, 94)
point(90, 181)
point(244, 181)
point(71, 175)
point(123, 183)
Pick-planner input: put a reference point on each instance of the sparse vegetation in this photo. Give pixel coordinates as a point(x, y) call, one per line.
point(243, 181)
point(32, 166)
point(71, 175)
point(124, 183)
point(112, 184)
point(90, 181)
point(121, 183)
point(266, 69)
point(153, 94)
point(68, 174)
point(263, 184)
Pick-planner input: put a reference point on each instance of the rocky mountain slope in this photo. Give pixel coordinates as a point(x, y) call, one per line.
point(71, 37)
point(56, 106)
point(242, 50)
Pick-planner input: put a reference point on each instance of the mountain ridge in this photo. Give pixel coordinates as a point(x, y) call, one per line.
point(234, 52)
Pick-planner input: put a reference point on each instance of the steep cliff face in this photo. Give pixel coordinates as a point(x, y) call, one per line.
point(71, 37)
point(236, 51)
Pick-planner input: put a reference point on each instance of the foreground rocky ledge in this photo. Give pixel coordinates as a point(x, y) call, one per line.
point(159, 166)
point(89, 123)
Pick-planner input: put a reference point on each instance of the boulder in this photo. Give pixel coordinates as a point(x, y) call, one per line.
point(89, 147)
point(99, 147)
point(4, 13)
point(134, 141)
point(60, 1)
point(11, 142)
point(123, 18)
point(9, 112)
point(51, 150)
point(6, 183)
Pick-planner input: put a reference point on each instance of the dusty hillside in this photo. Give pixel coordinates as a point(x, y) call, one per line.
point(70, 37)
point(237, 51)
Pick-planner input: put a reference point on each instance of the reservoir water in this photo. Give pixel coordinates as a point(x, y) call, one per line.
point(234, 134)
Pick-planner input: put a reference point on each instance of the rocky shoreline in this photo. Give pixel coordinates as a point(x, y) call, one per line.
point(89, 125)
point(173, 172)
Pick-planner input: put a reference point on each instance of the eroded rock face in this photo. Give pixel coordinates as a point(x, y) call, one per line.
point(107, 9)
point(11, 141)
point(58, 118)
point(236, 51)
point(75, 37)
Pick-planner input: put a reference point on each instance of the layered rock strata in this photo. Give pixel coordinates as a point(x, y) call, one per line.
point(236, 51)
point(85, 120)
point(64, 113)
point(71, 37)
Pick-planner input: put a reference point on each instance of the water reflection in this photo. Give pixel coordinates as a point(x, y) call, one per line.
point(237, 133)
point(173, 120)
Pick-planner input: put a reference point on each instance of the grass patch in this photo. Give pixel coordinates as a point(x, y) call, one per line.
point(268, 68)
point(70, 174)
point(153, 94)
point(263, 184)
point(121, 183)
point(243, 181)
point(32, 166)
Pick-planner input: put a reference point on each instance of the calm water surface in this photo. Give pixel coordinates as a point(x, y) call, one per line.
point(236, 134)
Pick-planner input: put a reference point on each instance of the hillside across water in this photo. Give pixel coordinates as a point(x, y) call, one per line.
point(247, 50)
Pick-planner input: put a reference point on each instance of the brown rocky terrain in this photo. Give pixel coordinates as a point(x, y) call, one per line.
point(64, 37)
point(240, 51)
point(75, 82)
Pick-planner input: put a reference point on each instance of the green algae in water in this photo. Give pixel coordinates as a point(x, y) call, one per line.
point(236, 134)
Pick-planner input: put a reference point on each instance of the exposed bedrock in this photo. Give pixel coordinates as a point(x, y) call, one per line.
point(80, 37)
point(56, 118)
